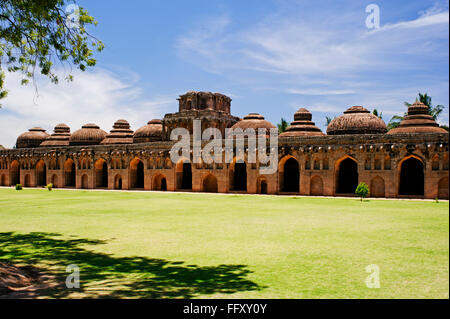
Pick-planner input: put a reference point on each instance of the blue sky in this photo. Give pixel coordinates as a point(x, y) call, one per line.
point(271, 57)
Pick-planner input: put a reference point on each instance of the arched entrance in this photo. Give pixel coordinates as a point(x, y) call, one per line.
point(101, 173)
point(443, 188)
point(316, 186)
point(69, 173)
point(240, 176)
point(27, 181)
point(159, 183)
point(3, 180)
point(261, 186)
point(118, 182)
point(411, 177)
point(291, 182)
point(347, 176)
point(210, 184)
point(84, 182)
point(41, 173)
point(137, 173)
point(15, 173)
point(377, 187)
point(184, 175)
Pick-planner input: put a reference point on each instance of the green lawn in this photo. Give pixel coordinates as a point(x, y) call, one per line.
point(169, 245)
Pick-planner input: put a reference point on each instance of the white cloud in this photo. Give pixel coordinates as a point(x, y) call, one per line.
point(100, 97)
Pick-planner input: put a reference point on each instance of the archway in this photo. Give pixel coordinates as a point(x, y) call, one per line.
point(261, 185)
point(291, 182)
point(443, 188)
point(118, 182)
point(316, 186)
point(184, 175)
point(3, 180)
point(377, 187)
point(347, 176)
point(137, 173)
point(84, 182)
point(69, 173)
point(240, 176)
point(54, 181)
point(210, 184)
point(15, 173)
point(159, 183)
point(101, 173)
point(41, 173)
point(411, 177)
point(27, 181)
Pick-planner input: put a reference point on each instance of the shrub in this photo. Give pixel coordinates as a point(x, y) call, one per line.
point(362, 190)
point(18, 187)
point(49, 187)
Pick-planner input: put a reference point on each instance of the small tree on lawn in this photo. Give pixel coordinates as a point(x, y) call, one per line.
point(362, 190)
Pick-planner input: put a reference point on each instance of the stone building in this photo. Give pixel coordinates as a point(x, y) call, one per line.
point(410, 161)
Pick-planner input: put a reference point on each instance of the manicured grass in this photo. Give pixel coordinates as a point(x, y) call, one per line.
point(162, 245)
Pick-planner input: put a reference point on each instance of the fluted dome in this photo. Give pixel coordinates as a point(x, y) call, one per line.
point(149, 133)
point(356, 120)
point(89, 134)
point(120, 134)
point(255, 121)
point(60, 137)
point(302, 125)
point(33, 138)
point(418, 120)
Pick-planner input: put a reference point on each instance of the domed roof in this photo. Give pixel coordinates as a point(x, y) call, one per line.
point(356, 120)
point(2, 147)
point(149, 133)
point(302, 125)
point(418, 120)
point(255, 121)
point(60, 137)
point(89, 134)
point(33, 138)
point(120, 134)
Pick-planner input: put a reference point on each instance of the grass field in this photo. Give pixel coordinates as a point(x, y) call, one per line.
point(168, 245)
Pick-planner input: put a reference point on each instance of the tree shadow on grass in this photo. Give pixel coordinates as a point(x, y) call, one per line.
point(103, 275)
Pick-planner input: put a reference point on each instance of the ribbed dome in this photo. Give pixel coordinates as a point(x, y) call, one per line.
point(89, 134)
point(33, 138)
point(60, 137)
point(418, 120)
point(302, 125)
point(255, 121)
point(356, 120)
point(149, 133)
point(120, 134)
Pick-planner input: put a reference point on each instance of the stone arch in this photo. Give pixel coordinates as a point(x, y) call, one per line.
point(3, 180)
point(443, 188)
point(27, 180)
point(387, 162)
point(159, 183)
point(69, 173)
point(84, 181)
point(209, 184)
point(54, 181)
point(184, 174)
point(289, 174)
point(15, 173)
point(262, 186)
point(411, 176)
point(136, 173)
point(101, 173)
point(377, 187)
point(316, 164)
point(41, 173)
point(118, 184)
point(316, 186)
point(238, 175)
point(445, 162)
point(435, 163)
point(377, 164)
point(346, 175)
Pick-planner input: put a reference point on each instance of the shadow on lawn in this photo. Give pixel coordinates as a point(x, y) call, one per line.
point(103, 275)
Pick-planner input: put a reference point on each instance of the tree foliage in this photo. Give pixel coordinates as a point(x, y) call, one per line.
point(282, 126)
point(36, 34)
point(362, 190)
point(434, 111)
